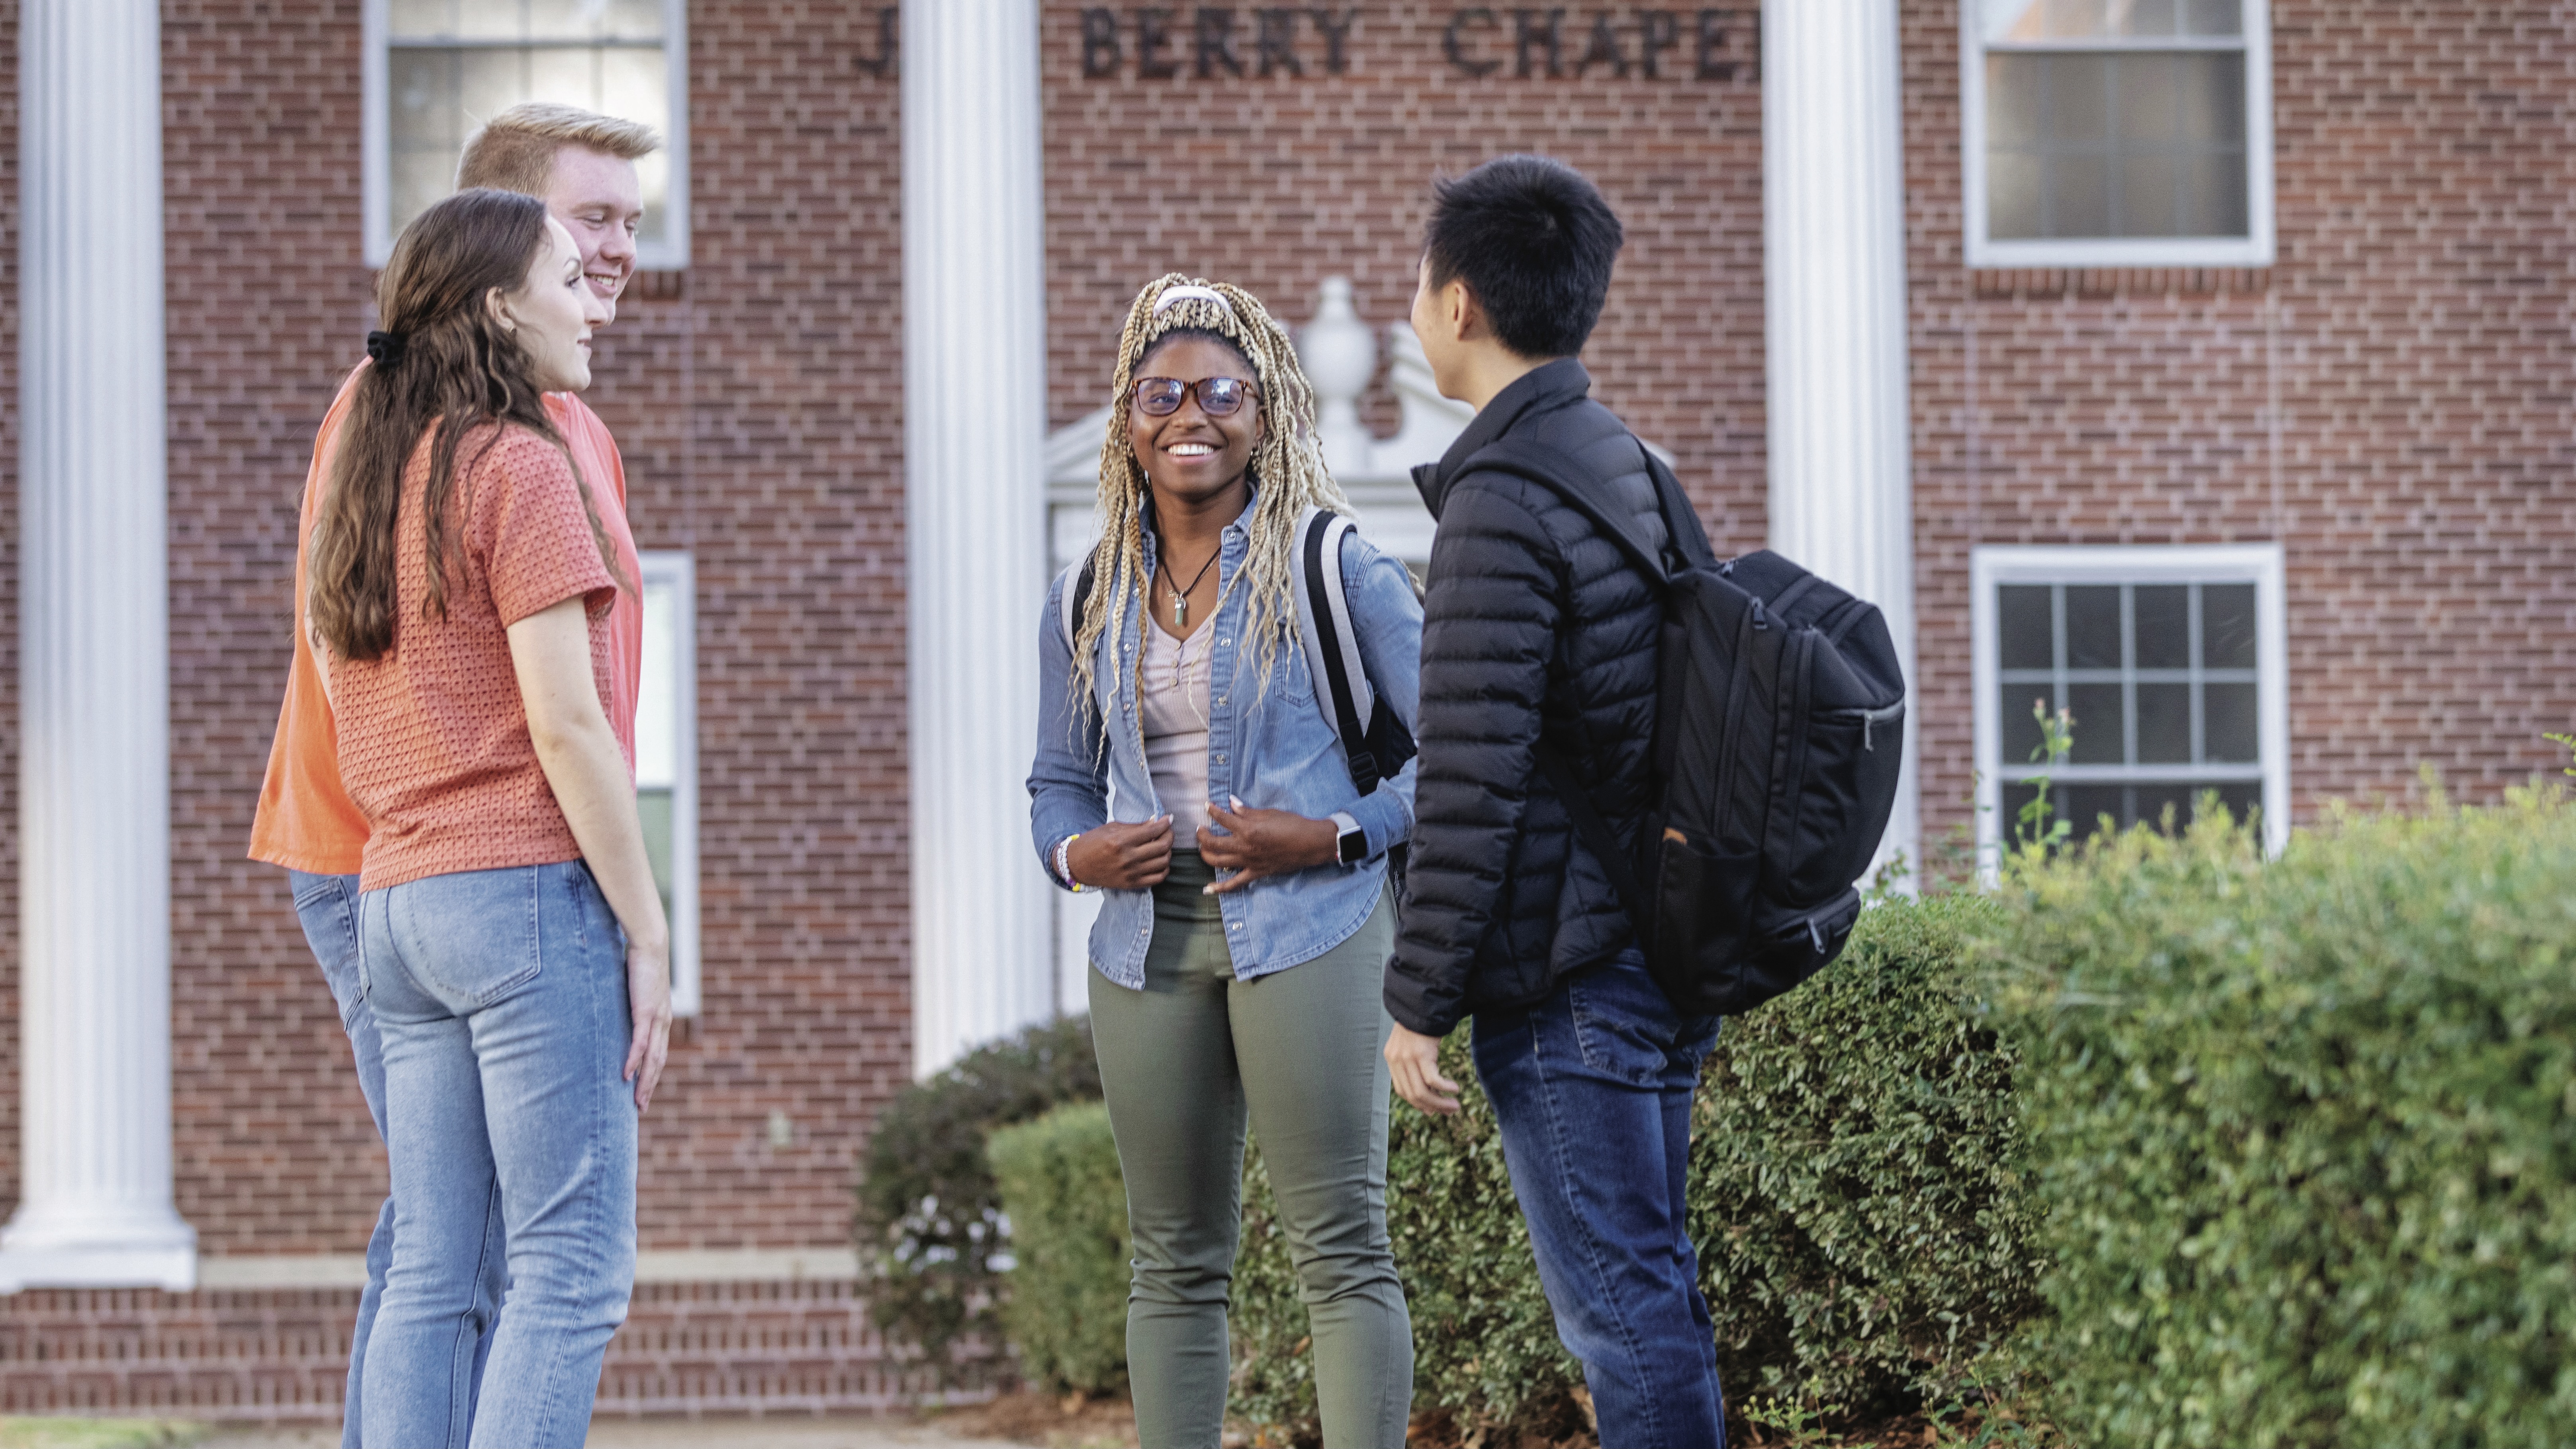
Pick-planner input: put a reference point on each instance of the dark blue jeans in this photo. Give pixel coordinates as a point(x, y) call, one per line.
point(327, 905)
point(1592, 1089)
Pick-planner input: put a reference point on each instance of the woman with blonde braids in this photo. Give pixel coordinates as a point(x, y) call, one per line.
point(1185, 769)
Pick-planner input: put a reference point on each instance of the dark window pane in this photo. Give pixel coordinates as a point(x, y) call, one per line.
point(2243, 799)
point(2227, 626)
point(2013, 195)
point(2013, 90)
point(2229, 734)
point(2083, 806)
point(2021, 731)
point(2097, 724)
point(2216, 17)
point(2163, 615)
point(2072, 19)
point(2144, 17)
point(2079, 196)
point(2093, 626)
point(2150, 100)
point(2214, 202)
point(2150, 196)
point(2164, 724)
point(2029, 632)
point(2078, 99)
point(2014, 796)
point(2152, 801)
point(2210, 98)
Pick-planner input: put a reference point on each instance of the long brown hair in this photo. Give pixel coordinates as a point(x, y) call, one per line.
point(443, 363)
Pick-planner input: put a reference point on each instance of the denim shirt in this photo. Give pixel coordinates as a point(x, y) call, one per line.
point(1276, 751)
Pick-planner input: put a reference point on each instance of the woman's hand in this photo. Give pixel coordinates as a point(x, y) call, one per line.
point(1120, 856)
point(648, 995)
point(1257, 843)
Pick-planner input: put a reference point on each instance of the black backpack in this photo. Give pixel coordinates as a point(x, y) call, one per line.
point(1779, 729)
point(1375, 744)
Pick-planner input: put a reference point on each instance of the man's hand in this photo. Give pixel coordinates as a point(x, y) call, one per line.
point(1264, 842)
point(1413, 1060)
point(1121, 856)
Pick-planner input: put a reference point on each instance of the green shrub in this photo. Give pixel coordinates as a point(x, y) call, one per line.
point(1856, 1200)
point(2306, 1130)
point(928, 1225)
point(1857, 1182)
point(1067, 1208)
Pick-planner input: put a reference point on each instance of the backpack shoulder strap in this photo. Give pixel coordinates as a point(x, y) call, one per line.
point(1077, 580)
point(1555, 472)
point(1332, 643)
point(1681, 521)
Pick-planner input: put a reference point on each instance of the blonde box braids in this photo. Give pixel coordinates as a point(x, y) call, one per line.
point(1287, 472)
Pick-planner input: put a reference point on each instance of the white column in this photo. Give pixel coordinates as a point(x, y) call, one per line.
point(93, 670)
point(974, 435)
point(1833, 216)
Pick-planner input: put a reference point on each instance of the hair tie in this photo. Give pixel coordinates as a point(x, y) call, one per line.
point(386, 349)
point(1188, 293)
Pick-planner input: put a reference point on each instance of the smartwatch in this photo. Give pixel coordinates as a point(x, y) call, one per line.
point(1353, 842)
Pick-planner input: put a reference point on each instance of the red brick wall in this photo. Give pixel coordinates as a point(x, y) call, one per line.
point(2416, 333)
point(1277, 183)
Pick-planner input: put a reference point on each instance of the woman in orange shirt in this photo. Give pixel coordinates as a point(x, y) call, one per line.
point(513, 946)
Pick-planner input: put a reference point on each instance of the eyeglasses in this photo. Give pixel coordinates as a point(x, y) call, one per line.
point(1219, 397)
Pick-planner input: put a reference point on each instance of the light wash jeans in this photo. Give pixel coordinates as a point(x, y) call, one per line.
point(328, 907)
point(501, 997)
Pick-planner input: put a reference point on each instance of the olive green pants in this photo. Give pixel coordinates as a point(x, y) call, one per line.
point(1182, 1062)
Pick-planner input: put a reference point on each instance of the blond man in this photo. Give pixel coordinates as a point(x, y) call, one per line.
point(582, 165)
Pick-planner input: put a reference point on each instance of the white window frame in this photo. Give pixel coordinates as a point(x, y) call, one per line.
point(678, 570)
point(2255, 249)
point(670, 254)
point(1991, 567)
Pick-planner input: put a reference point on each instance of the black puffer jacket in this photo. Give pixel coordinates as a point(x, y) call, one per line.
point(1535, 627)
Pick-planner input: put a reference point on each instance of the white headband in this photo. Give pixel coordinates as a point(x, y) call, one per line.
point(1183, 294)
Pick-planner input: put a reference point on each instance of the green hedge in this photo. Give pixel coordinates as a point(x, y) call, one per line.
point(2306, 1130)
point(1067, 1205)
point(929, 1221)
point(1857, 1200)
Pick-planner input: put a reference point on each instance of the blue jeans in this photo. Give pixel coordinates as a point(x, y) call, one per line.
point(501, 996)
point(328, 907)
point(1592, 1090)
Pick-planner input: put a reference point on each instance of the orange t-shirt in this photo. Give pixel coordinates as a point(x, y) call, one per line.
point(306, 820)
point(434, 743)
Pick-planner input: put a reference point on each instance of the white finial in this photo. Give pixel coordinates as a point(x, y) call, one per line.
point(1339, 354)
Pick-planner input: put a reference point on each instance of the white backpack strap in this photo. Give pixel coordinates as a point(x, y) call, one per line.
point(1324, 618)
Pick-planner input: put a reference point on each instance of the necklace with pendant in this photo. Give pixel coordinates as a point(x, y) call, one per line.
point(1181, 596)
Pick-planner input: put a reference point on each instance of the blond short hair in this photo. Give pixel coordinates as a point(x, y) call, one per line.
point(515, 150)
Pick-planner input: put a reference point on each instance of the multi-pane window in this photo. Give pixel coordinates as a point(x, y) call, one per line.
point(439, 68)
point(2117, 132)
point(2168, 662)
point(666, 758)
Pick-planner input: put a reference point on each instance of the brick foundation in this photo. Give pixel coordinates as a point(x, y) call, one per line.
point(283, 1355)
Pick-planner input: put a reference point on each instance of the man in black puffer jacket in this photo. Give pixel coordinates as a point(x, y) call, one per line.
point(1540, 635)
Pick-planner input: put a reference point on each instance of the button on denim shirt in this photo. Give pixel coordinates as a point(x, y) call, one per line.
point(1272, 747)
